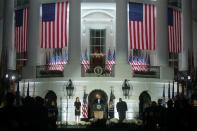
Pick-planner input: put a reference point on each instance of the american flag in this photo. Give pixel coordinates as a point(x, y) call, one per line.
point(85, 61)
point(174, 30)
point(21, 31)
point(139, 63)
point(57, 61)
point(141, 26)
point(85, 106)
point(54, 25)
point(110, 60)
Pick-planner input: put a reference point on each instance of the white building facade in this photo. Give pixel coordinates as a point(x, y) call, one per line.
point(97, 15)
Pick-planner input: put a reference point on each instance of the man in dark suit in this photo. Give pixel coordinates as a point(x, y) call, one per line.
point(98, 103)
point(98, 100)
point(121, 107)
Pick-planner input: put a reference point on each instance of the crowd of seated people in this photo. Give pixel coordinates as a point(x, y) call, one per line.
point(32, 114)
point(179, 114)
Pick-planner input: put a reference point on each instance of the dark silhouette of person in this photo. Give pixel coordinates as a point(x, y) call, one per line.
point(40, 114)
point(170, 116)
point(121, 107)
point(160, 110)
point(193, 115)
point(9, 114)
point(52, 115)
point(149, 116)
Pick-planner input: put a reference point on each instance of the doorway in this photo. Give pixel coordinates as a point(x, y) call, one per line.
point(92, 98)
point(144, 102)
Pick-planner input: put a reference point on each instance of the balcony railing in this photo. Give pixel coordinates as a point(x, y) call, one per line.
point(45, 71)
point(151, 72)
point(98, 71)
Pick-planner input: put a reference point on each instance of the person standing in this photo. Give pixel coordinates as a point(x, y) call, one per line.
point(77, 105)
point(121, 107)
point(99, 107)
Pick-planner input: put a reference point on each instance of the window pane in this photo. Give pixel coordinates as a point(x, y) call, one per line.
point(97, 33)
point(97, 40)
point(102, 33)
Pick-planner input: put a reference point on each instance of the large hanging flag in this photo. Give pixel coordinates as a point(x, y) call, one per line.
point(141, 24)
point(85, 106)
point(54, 25)
point(21, 32)
point(174, 30)
point(110, 60)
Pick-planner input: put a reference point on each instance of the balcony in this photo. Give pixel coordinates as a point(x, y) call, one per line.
point(150, 72)
point(46, 71)
point(97, 71)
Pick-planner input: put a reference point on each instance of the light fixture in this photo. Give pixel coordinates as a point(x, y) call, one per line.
point(126, 88)
point(6, 76)
point(13, 77)
point(69, 88)
point(189, 77)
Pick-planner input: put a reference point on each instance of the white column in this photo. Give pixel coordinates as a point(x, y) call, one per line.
point(186, 34)
point(122, 68)
point(34, 24)
point(8, 33)
point(162, 53)
point(33, 49)
point(73, 68)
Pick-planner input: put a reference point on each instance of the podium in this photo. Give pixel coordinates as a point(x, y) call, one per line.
point(98, 110)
